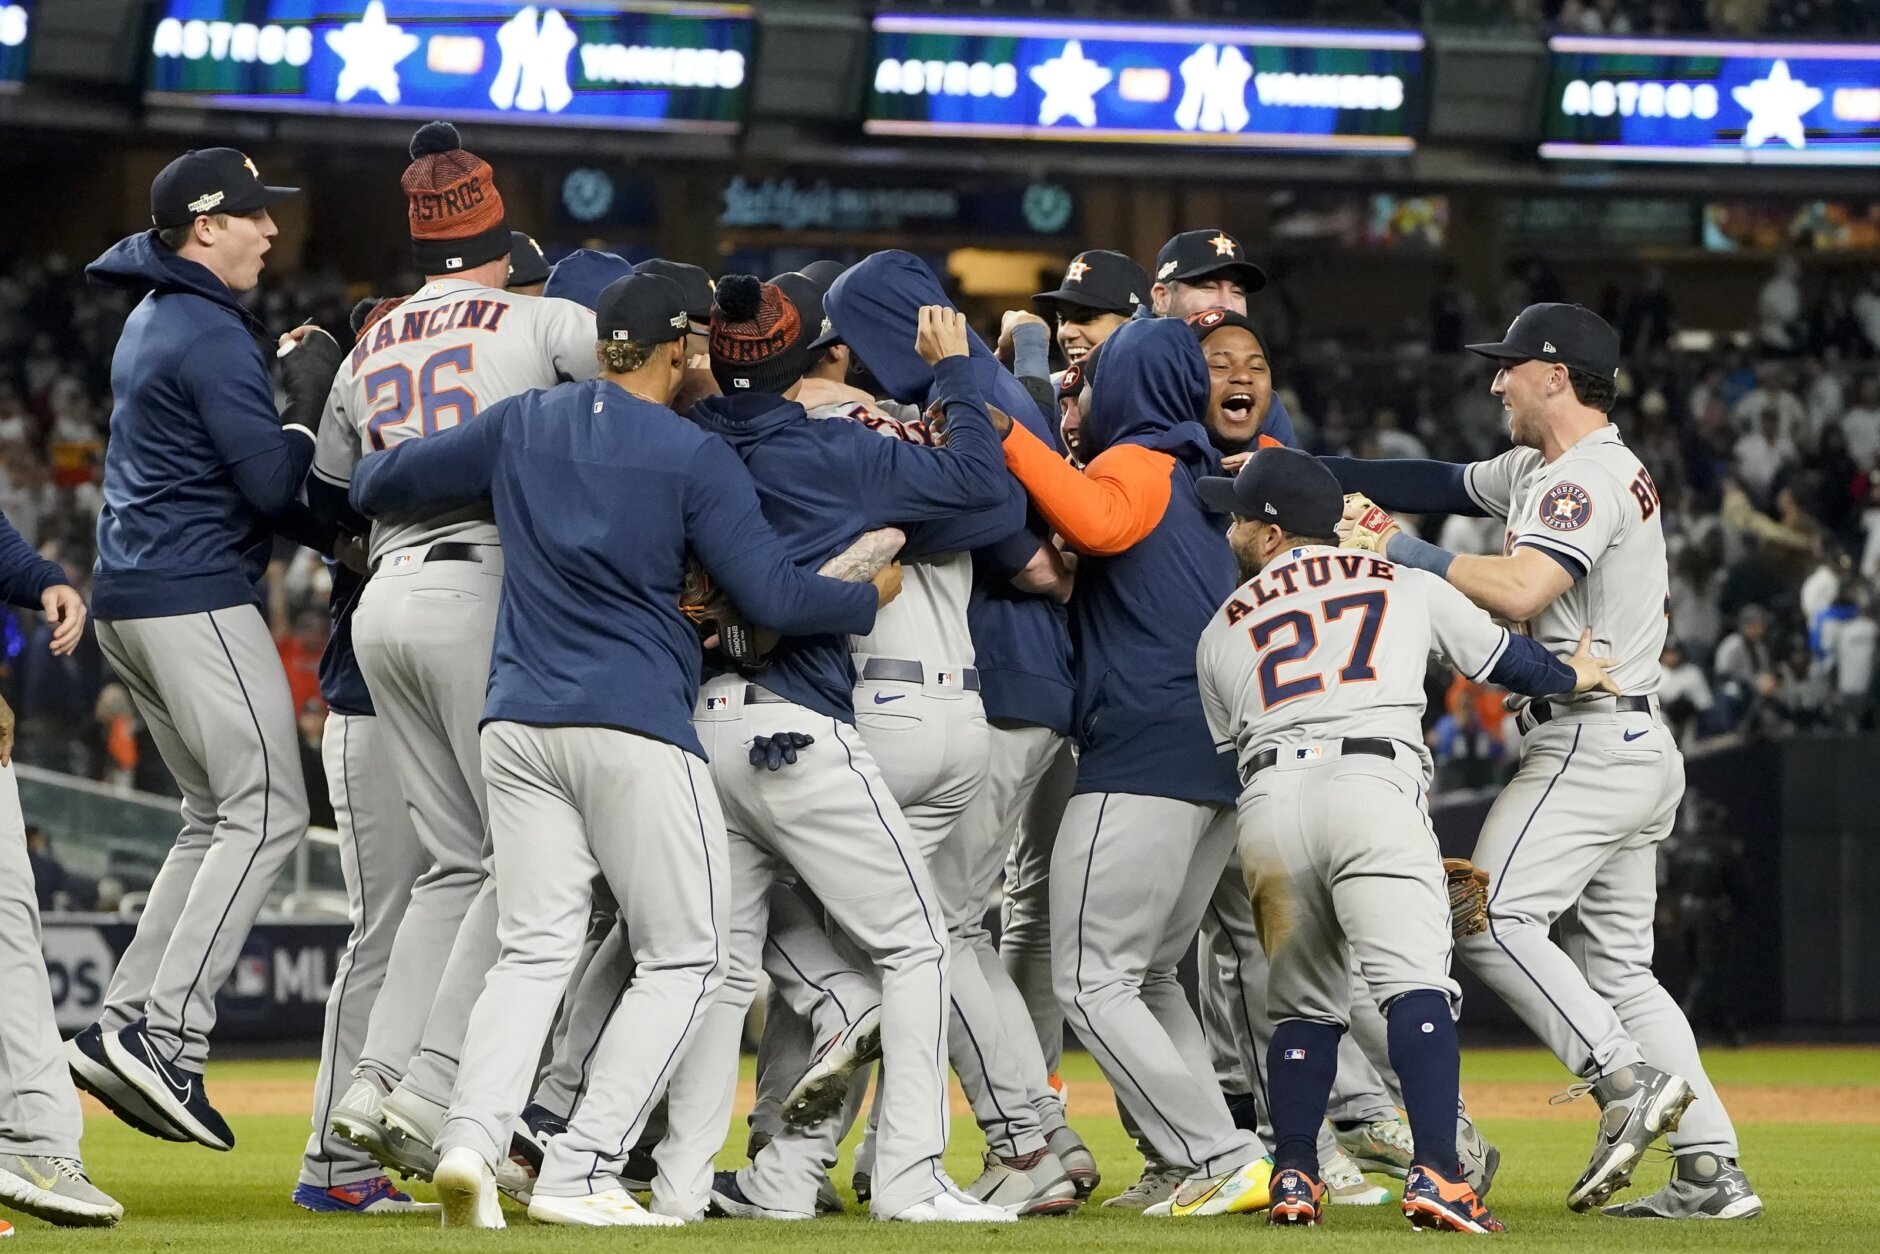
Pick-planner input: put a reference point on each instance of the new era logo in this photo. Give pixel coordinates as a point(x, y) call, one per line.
point(1270, 509)
point(1547, 346)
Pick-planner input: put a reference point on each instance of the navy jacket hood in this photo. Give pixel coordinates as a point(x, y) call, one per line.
point(1151, 389)
point(746, 419)
point(140, 264)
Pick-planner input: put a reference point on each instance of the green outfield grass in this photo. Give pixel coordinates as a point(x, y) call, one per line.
point(1819, 1182)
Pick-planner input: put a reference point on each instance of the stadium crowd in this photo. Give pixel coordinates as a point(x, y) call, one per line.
point(1765, 447)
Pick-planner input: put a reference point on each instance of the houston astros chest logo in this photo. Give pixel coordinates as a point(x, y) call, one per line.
point(1566, 507)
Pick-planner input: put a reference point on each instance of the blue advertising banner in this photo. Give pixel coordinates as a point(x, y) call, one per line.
point(571, 63)
point(1310, 90)
point(15, 30)
point(1718, 101)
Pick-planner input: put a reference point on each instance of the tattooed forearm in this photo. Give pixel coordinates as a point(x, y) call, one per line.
point(859, 562)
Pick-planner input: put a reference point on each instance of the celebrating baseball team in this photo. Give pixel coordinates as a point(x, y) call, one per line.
point(687, 631)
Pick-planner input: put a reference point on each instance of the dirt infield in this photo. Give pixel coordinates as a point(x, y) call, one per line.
point(1748, 1103)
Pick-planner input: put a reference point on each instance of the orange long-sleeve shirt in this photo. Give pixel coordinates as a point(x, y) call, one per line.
point(1103, 509)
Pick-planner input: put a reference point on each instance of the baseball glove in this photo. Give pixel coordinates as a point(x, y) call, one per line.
point(719, 623)
point(1371, 526)
point(1468, 897)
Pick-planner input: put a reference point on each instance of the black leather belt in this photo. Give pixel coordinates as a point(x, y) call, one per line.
point(753, 695)
point(912, 672)
point(1376, 746)
point(1538, 712)
point(453, 551)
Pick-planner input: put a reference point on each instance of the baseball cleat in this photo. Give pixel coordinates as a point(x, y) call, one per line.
point(637, 1172)
point(729, 1201)
point(356, 1117)
point(1703, 1186)
point(93, 1072)
point(412, 1126)
point(1433, 1202)
point(1637, 1105)
point(173, 1091)
point(828, 1201)
point(825, 1086)
point(466, 1189)
point(377, 1196)
point(6, 1229)
point(1155, 1185)
point(1381, 1145)
point(615, 1208)
point(56, 1190)
point(543, 1122)
point(1345, 1185)
point(862, 1184)
point(1244, 1191)
point(950, 1206)
point(1033, 1184)
point(1298, 1200)
point(1480, 1159)
point(1079, 1163)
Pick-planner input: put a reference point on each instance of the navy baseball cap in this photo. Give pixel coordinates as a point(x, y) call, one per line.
point(210, 180)
point(823, 273)
point(584, 274)
point(1284, 486)
point(641, 308)
point(1197, 254)
point(692, 280)
point(527, 265)
point(1100, 281)
point(1572, 335)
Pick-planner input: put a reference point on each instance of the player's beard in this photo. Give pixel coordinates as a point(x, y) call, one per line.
point(1521, 432)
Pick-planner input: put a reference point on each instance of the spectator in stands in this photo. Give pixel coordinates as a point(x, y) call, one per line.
point(1648, 319)
point(312, 720)
point(1847, 634)
point(1466, 752)
point(1780, 326)
point(1772, 395)
point(1762, 455)
point(1860, 424)
point(1746, 674)
point(1683, 692)
point(118, 726)
point(1867, 311)
point(300, 650)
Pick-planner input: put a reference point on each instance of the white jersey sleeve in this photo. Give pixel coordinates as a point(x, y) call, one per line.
point(1213, 705)
point(1574, 513)
point(1492, 483)
point(568, 338)
point(1460, 630)
point(336, 448)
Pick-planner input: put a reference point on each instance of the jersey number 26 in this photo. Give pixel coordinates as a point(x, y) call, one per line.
point(1274, 689)
point(433, 403)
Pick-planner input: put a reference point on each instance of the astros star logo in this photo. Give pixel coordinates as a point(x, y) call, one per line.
point(1074, 273)
point(1566, 507)
point(1776, 105)
point(371, 48)
point(1223, 247)
point(1070, 81)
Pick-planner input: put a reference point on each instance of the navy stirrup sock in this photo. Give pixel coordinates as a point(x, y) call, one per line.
point(1428, 1060)
point(1302, 1061)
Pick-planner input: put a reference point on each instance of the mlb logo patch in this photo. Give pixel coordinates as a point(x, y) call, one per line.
point(1308, 753)
point(1295, 1055)
point(946, 679)
point(717, 703)
point(403, 559)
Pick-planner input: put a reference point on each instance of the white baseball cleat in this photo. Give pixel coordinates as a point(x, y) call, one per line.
point(615, 1208)
point(825, 1086)
point(466, 1188)
point(952, 1207)
point(1345, 1185)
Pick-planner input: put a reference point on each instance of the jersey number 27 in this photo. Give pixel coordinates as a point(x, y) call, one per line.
point(394, 384)
point(1275, 689)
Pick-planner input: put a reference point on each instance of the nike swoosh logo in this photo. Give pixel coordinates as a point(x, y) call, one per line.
point(1631, 736)
point(32, 1173)
point(1184, 1208)
point(881, 700)
point(182, 1091)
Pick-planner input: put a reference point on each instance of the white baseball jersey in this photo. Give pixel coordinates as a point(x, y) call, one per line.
point(927, 622)
point(449, 350)
point(1595, 510)
point(1327, 643)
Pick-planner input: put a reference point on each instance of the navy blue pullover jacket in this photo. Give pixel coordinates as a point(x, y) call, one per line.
point(599, 495)
point(822, 484)
point(1021, 641)
point(1138, 614)
point(24, 575)
point(198, 463)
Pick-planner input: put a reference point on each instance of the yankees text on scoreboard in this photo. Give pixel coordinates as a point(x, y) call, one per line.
point(1714, 101)
point(1323, 90)
point(570, 63)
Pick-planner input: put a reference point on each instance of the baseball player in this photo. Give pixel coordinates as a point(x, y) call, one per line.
point(1573, 838)
point(1312, 675)
point(41, 1173)
point(1199, 270)
point(197, 468)
point(425, 621)
point(589, 749)
point(380, 859)
point(1149, 828)
point(822, 806)
point(1101, 291)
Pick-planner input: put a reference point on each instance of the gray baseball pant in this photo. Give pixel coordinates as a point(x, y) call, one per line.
point(380, 858)
point(1033, 772)
point(599, 980)
point(1573, 839)
point(211, 690)
point(831, 817)
point(423, 633)
point(1131, 876)
point(566, 804)
point(39, 1111)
